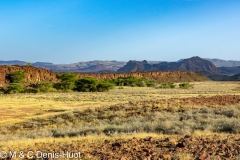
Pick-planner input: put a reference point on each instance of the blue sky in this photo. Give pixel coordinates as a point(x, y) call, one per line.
point(68, 31)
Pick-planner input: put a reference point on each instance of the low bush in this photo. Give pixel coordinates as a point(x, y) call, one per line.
point(31, 90)
point(52, 89)
point(167, 85)
point(14, 88)
point(1, 89)
point(67, 76)
point(44, 86)
point(133, 82)
point(90, 84)
point(104, 121)
point(186, 85)
point(103, 86)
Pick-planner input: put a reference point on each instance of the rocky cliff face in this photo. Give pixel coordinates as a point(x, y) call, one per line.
point(167, 76)
point(35, 75)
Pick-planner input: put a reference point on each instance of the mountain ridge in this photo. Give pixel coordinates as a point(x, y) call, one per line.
point(223, 63)
point(99, 66)
point(195, 64)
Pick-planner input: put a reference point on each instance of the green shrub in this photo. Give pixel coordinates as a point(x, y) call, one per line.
point(65, 86)
point(14, 88)
point(133, 81)
point(44, 86)
point(16, 77)
point(52, 89)
point(90, 84)
point(67, 76)
point(67, 81)
point(104, 86)
point(150, 83)
point(87, 84)
point(167, 85)
point(1, 89)
point(125, 81)
point(58, 86)
point(143, 82)
point(186, 85)
point(31, 90)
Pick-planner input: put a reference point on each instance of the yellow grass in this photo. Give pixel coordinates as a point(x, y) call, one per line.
point(22, 106)
point(96, 139)
point(19, 107)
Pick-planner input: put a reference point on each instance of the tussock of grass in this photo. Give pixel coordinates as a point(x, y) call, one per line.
point(126, 121)
point(18, 145)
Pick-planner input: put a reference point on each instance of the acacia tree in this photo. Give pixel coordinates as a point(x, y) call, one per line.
point(90, 84)
point(87, 84)
point(15, 78)
point(67, 81)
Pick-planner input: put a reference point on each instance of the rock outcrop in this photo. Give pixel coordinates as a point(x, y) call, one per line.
point(167, 76)
point(195, 64)
point(33, 74)
point(135, 66)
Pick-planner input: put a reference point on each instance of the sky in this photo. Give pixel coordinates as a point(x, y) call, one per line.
point(69, 31)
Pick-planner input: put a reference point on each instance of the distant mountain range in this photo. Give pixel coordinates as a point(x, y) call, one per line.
point(224, 63)
point(90, 66)
point(209, 67)
point(196, 64)
point(96, 66)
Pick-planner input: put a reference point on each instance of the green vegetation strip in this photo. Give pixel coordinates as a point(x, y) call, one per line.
point(70, 82)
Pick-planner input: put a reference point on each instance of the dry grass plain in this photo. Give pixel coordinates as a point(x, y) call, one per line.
point(22, 106)
point(87, 122)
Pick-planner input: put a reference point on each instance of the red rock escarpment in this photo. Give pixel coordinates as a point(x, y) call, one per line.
point(35, 75)
point(159, 76)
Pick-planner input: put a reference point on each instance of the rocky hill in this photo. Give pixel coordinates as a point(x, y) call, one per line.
point(35, 75)
point(230, 70)
point(223, 63)
point(195, 64)
point(225, 67)
point(89, 66)
point(135, 66)
point(14, 62)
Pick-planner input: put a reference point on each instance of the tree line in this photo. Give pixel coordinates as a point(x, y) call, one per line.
point(70, 82)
